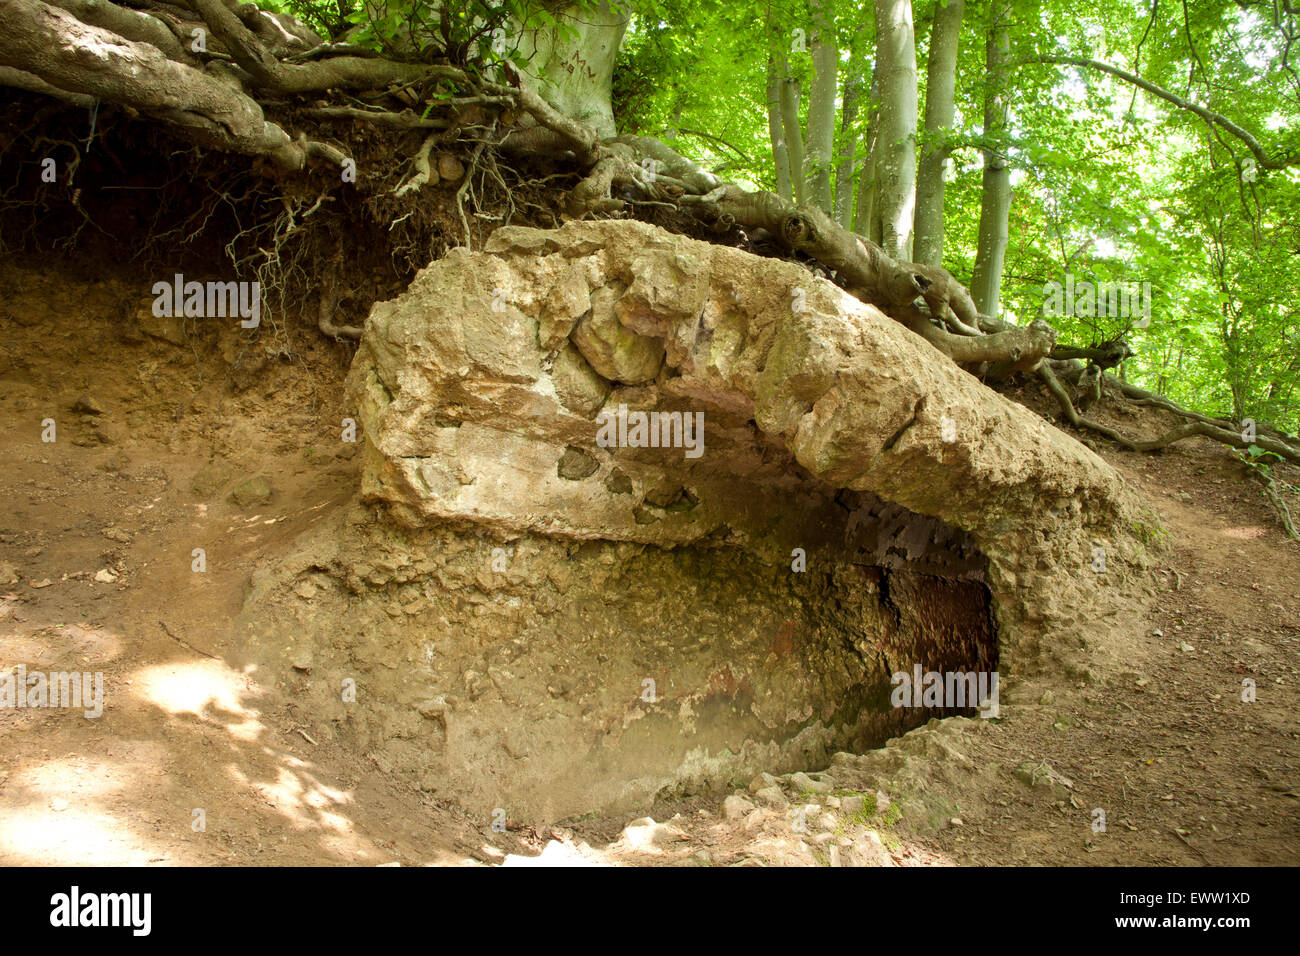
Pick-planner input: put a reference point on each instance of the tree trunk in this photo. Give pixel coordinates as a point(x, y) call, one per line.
point(821, 107)
point(573, 64)
point(995, 207)
point(848, 147)
point(788, 88)
point(780, 155)
point(865, 220)
point(896, 143)
point(941, 77)
point(845, 173)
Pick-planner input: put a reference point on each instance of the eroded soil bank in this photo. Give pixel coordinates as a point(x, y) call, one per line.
point(1136, 724)
point(548, 622)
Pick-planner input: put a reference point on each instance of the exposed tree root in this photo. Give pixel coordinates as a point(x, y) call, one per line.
point(1192, 429)
point(1143, 397)
point(423, 173)
point(912, 293)
point(219, 104)
point(329, 300)
point(144, 62)
point(1275, 498)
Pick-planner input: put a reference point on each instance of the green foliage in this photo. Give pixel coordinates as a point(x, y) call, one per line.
point(323, 16)
point(1149, 533)
point(1110, 183)
point(467, 33)
point(1258, 460)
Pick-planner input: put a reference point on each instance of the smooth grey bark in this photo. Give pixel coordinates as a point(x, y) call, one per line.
point(895, 152)
point(789, 95)
point(775, 133)
point(846, 169)
point(940, 86)
point(865, 220)
point(995, 204)
point(820, 156)
point(573, 63)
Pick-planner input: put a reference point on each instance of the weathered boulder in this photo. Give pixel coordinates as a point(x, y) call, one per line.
point(804, 392)
point(612, 349)
point(643, 513)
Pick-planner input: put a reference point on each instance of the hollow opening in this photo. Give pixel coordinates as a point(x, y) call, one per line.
point(561, 677)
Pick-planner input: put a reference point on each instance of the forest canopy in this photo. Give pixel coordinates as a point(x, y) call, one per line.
point(1110, 184)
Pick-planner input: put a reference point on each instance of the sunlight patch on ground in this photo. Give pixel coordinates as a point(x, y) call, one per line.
point(305, 801)
point(1244, 533)
point(50, 812)
point(554, 853)
point(41, 836)
point(73, 776)
point(307, 804)
point(208, 690)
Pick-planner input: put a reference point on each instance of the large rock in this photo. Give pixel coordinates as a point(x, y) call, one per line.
point(468, 412)
point(600, 624)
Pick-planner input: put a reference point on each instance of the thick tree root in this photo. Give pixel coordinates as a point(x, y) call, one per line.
point(908, 292)
point(143, 60)
point(91, 61)
point(1192, 429)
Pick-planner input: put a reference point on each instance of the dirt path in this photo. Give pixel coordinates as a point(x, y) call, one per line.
point(140, 476)
point(1185, 770)
point(182, 730)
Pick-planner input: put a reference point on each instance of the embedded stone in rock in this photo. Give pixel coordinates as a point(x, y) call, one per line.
point(616, 352)
point(579, 388)
point(618, 483)
point(253, 491)
point(450, 169)
point(88, 405)
point(567, 302)
point(576, 464)
point(212, 477)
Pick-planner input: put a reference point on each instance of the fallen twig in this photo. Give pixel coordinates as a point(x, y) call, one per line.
point(184, 643)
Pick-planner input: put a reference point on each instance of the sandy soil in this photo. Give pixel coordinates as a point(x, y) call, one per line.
point(196, 761)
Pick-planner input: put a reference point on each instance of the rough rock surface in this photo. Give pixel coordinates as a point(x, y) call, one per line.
point(545, 624)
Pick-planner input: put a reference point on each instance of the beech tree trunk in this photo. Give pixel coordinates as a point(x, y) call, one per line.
point(940, 87)
point(846, 170)
point(995, 205)
point(866, 222)
point(821, 107)
point(776, 133)
point(895, 151)
point(788, 88)
point(574, 67)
